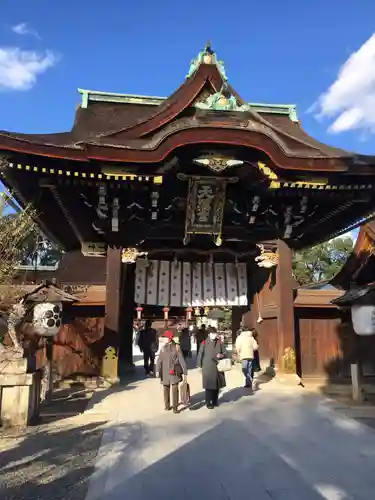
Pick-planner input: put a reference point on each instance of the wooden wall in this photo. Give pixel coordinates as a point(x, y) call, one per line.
point(268, 341)
point(320, 341)
point(324, 340)
point(78, 347)
point(328, 344)
point(264, 306)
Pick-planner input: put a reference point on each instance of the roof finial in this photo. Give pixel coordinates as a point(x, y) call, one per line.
point(206, 56)
point(208, 48)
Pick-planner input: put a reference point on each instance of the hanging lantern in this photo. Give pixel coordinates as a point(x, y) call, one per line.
point(189, 310)
point(197, 311)
point(206, 310)
point(165, 311)
point(47, 318)
point(139, 310)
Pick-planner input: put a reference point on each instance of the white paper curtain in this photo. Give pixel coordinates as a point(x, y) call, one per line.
point(184, 284)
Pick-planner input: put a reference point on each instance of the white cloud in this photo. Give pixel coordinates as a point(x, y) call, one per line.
point(350, 100)
point(24, 29)
point(19, 69)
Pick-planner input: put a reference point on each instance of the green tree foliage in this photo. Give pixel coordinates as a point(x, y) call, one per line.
point(321, 262)
point(35, 248)
point(14, 230)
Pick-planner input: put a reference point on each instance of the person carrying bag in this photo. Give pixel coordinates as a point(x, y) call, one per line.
point(184, 393)
point(172, 370)
point(210, 353)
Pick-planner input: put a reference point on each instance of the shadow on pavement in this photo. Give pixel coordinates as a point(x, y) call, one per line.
point(48, 463)
point(216, 464)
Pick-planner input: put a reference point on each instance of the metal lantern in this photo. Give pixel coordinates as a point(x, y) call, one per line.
point(189, 310)
point(47, 318)
point(139, 310)
point(166, 312)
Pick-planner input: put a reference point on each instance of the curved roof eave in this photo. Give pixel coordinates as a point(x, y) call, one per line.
point(363, 249)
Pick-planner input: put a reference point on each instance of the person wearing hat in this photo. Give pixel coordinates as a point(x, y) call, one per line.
point(172, 369)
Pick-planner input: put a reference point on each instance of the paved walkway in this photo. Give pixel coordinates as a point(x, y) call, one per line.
point(280, 444)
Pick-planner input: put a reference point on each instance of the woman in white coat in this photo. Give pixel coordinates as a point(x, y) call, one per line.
point(245, 347)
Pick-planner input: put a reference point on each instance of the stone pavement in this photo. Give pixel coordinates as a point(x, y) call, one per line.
point(52, 461)
point(281, 443)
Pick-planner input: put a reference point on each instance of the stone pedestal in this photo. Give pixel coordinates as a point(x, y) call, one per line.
point(357, 392)
point(19, 394)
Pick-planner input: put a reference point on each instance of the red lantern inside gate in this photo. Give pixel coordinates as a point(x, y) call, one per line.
point(139, 310)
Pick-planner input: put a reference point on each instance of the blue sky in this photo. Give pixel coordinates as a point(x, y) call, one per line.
point(317, 54)
point(277, 52)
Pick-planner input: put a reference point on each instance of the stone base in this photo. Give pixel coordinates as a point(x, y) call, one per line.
point(106, 382)
point(19, 399)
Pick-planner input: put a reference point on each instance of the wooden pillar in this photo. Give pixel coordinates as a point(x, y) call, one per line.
point(285, 307)
point(127, 316)
point(112, 314)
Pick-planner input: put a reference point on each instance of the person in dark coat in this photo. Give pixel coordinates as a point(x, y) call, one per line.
point(200, 336)
point(185, 342)
point(148, 343)
point(211, 351)
point(172, 369)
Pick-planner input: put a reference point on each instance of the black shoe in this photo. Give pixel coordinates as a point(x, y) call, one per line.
point(175, 410)
point(210, 406)
point(167, 408)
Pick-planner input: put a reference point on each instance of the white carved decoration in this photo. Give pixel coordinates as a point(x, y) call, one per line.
point(47, 318)
point(130, 255)
point(266, 259)
point(363, 318)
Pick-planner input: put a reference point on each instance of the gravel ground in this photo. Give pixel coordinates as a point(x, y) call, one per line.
point(52, 461)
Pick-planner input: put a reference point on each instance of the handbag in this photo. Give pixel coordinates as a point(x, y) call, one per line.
point(224, 365)
point(185, 393)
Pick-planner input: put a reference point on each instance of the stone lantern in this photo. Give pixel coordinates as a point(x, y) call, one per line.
point(46, 321)
point(20, 385)
point(360, 302)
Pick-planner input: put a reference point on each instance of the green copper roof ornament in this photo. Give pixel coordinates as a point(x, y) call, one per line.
point(207, 56)
point(222, 101)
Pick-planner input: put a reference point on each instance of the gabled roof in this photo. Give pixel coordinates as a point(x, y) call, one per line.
point(48, 292)
point(130, 128)
point(356, 296)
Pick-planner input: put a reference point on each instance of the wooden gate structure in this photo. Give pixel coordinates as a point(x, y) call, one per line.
point(201, 176)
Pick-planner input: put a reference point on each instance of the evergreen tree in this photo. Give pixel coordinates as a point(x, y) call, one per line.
point(321, 262)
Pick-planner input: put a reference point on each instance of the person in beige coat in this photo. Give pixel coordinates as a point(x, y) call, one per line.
point(245, 347)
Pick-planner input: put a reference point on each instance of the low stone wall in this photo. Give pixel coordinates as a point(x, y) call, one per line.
point(19, 394)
